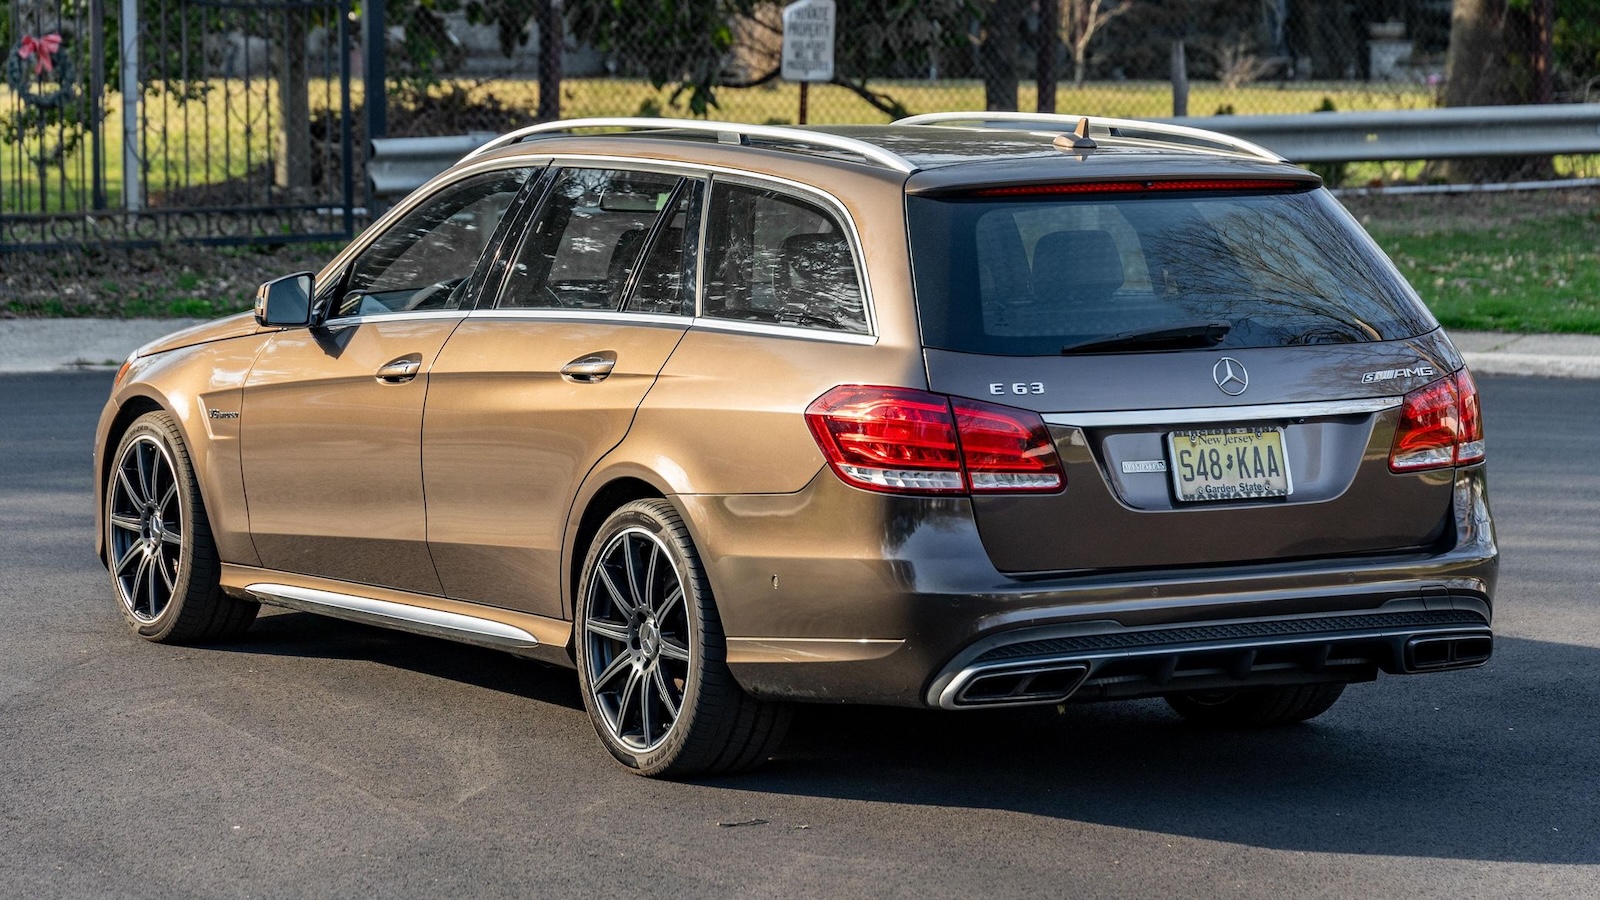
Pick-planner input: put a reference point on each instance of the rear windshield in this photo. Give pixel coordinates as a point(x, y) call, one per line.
point(1028, 276)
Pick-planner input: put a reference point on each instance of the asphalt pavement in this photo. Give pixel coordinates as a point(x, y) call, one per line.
point(318, 758)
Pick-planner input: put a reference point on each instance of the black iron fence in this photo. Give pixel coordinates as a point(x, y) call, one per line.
point(248, 120)
point(152, 120)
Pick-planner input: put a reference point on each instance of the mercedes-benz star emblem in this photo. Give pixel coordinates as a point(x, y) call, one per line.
point(1230, 376)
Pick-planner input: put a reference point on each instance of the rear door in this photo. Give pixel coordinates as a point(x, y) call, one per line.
point(1221, 371)
point(534, 388)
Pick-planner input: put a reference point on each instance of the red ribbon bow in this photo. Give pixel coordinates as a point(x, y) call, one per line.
point(45, 47)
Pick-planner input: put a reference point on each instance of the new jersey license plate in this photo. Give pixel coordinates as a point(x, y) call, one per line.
point(1228, 464)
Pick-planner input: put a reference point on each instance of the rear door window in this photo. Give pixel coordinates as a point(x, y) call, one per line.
point(776, 258)
point(1029, 276)
point(587, 238)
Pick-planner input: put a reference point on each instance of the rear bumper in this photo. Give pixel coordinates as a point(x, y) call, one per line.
point(837, 595)
point(1088, 662)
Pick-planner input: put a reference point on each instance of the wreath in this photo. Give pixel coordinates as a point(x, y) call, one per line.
point(29, 85)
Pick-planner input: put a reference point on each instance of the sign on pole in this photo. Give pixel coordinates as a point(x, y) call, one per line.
point(808, 40)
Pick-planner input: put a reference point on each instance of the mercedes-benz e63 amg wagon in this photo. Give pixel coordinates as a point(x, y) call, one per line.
point(968, 411)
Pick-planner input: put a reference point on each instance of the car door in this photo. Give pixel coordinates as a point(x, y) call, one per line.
point(332, 417)
point(532, 390)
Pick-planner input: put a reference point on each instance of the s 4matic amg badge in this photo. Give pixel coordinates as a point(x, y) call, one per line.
point(1389, 374)
point(1230, 376)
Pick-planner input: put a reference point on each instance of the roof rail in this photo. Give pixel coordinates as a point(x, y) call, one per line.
point(1119, 127)
point(726, 132)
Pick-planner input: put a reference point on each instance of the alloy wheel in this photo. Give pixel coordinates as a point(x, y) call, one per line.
point(145, 528)
point(639, 645)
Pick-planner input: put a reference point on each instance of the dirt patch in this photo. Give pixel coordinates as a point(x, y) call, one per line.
point(172, 280)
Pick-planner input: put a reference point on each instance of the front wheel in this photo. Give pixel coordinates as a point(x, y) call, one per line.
point(164, 566)
point(1254, 707)
point(652, 658)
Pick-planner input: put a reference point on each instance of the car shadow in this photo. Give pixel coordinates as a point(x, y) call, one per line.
point(1467, 765)
point(307, 635)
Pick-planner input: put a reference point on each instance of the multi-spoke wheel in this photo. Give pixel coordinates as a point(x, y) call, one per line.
point(164, 567)
point(651, 654)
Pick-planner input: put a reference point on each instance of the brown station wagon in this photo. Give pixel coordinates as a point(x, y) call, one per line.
point(972, 410)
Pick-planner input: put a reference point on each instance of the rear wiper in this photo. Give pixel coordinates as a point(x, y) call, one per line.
point(1187, 334)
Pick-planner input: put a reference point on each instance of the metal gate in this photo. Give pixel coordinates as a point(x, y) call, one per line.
point(139, 121)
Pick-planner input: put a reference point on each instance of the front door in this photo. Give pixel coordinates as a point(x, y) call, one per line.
point(332, 416)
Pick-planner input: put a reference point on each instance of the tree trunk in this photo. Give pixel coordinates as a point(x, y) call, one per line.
point(1047, 72)
point(1493, 61)
point(997, 56)
point(552, 40)
point(292, 157)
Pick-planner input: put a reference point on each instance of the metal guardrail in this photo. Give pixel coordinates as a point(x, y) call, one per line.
point(398, 166)
point(401, 165)
point(1462, 132)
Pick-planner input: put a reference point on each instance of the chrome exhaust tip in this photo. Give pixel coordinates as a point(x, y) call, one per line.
point(1437, 653)
point(1051, 682)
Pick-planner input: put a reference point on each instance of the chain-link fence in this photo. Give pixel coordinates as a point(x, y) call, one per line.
point(463, 65)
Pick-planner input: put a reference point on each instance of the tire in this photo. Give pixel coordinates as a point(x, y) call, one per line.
point(1256, 707)
point(165, 572)
point(653, 671)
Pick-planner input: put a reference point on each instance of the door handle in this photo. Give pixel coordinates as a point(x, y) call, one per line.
point(591, 368)
point(400, 371)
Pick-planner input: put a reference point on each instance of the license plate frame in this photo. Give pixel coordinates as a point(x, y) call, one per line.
point(1215, 458)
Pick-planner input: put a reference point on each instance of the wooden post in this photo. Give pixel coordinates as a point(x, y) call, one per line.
point(805, 90)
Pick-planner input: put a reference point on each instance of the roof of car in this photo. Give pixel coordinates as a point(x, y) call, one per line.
point(954, 150)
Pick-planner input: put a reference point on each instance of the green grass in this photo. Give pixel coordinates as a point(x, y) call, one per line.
point(1534, 273)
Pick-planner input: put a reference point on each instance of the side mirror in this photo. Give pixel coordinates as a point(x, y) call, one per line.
point(285, 301)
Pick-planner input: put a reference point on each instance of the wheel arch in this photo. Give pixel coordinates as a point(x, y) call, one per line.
point(606, 499)
point(128, 412)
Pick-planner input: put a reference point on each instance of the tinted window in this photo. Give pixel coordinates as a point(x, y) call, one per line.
point(1029, 276)
point(666, 281)
point(426, 259)
point(776, 258)
point(586, 239)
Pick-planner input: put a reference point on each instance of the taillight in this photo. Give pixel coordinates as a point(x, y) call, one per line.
point(1440, 425)
point(899, 440)
point(1470, 448)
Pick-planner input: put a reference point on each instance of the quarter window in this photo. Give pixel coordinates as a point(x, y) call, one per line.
point(425, 261)
point(779, 259)
point(582, 247)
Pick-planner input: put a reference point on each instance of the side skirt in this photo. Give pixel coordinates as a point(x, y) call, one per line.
point(523, 634)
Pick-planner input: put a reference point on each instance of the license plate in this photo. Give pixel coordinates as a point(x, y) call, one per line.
point(1228, 464)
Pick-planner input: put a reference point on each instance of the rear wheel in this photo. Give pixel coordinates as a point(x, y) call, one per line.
point(164, 566)
point(651, 655)
point(1256, 706)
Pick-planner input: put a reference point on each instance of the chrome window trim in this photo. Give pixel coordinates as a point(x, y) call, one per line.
point(416, 198)
point(766, 329)
point(394, 317)
point(607, 316)
point(1207, 414)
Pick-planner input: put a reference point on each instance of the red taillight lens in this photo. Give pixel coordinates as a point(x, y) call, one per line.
point(916, 442)
point(1440, 425)
point(1005, 449)
point(1470, 448)
point(888, 439)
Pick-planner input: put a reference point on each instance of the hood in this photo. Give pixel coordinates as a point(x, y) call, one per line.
point(218, 330)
